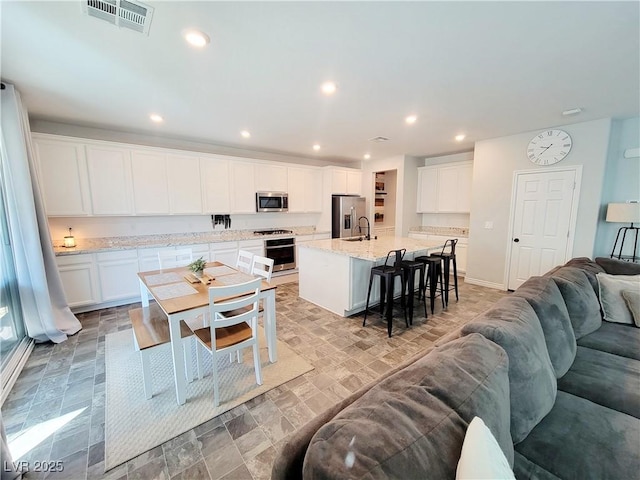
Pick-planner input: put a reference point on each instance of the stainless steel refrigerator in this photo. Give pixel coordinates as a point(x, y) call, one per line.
point(345, 211)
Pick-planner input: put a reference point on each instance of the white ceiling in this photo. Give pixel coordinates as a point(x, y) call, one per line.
point(487, 69)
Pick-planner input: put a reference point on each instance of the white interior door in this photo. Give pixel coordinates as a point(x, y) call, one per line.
point(543, 220)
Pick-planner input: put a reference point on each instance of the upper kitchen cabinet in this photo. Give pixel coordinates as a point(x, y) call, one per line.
point(305, 190)
point(62, 168)
point(270, 178)
point(243, 187)
point(185, 194)
point(445, 188)
point(215, 184)
point(110, 180)
point(346, 181)
point(150, 183)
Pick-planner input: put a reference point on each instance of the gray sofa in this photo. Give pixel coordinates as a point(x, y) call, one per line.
point(558, 387)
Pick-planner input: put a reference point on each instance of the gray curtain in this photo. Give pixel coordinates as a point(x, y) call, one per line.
point(45, 310)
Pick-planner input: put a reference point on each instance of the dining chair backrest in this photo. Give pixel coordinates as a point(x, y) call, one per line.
point(233, 304)
point(244, 261)
point(397, 256)
point(262, 266)
point(175, 258)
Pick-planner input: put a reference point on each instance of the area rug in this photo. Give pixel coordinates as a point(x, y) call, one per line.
point(134, 425)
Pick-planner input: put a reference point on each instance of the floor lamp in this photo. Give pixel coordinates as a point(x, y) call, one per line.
point(624, 213)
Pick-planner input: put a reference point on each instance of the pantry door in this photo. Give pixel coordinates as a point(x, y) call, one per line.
point(543, 218)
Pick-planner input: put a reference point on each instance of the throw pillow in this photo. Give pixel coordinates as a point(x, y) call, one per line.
point(613, 305)
point(632, 299)
point(482, 457)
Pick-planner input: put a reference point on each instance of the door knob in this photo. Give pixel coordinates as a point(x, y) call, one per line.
point(516, 240)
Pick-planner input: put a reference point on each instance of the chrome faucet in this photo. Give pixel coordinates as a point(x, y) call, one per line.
point(368, 237)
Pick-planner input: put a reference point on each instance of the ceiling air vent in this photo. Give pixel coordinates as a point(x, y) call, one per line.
point(123, 13)
point(379, 139)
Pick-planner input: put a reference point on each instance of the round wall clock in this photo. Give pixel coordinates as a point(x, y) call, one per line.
point(549, 147)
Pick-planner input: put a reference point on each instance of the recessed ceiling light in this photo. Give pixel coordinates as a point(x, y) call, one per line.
point(316, 147)
point(411, 119)
point(196, 38)
point(367, 156)
point(329, 88)
point(245, 134)
point(156, 118)
point(460, 137)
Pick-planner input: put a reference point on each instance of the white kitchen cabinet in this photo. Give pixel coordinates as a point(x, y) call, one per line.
point(224, 252)
point(150, 183)
point(148, 258)
point(270, 178)
point(185, 190)
point(300, 239)
point(215, 184)
point(346, 181)
point(254, 246)
point(118, 275)
point(79, 279)
point(305, 190)
point(64, 181)
point(445, 188)
point(198, 250)
point(110, 180)
point(243, 190)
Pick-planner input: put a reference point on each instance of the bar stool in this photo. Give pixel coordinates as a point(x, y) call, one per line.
point(434, 273)
point(448, 257)
point(387, 274)
point(410, 268)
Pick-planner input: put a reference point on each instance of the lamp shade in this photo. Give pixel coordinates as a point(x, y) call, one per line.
point(623, 212)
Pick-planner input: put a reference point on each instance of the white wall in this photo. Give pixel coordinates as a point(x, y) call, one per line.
point(495, 162)
point(621, 183)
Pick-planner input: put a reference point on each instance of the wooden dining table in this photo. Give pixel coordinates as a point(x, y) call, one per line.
point(180, 299)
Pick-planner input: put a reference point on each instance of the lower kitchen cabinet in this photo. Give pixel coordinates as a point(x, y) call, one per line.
point(224, 252)
point(79, 279)
point(254, 246)
point(117, 272)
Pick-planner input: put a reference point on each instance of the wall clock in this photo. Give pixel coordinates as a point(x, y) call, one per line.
point(549, 147)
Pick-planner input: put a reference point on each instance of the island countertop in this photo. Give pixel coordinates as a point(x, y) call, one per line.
point(371, 250)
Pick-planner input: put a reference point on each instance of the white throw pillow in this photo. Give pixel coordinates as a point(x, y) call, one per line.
point(613, 304)
point(481, 456)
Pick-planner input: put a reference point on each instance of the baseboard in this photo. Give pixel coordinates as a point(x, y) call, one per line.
point(484, 283)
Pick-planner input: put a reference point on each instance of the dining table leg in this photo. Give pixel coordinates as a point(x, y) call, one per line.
point(270, 324)
point(177, 351)
point(144, 294)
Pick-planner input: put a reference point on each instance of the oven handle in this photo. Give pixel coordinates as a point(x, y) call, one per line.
point(280, 246)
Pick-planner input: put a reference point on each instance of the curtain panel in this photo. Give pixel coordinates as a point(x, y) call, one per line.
point(46, 313)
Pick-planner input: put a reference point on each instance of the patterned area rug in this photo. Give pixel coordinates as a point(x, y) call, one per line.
point(134, 425)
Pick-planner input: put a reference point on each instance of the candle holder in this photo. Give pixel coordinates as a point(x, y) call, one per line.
point(69, 240)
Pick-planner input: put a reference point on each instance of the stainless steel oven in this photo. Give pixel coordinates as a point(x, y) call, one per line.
point(283, 252)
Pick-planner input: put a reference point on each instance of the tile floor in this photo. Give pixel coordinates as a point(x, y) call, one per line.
point(242, 443)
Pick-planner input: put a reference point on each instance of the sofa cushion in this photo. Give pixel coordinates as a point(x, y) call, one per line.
point(614, 308)
point(413, 424)
point(632, 299)
point(582, 440)
point(590, 267)
point(609, 380)
point(613, 266)
point(616, 338)
point(513, 324)
point(580, 299)
point(544, 296)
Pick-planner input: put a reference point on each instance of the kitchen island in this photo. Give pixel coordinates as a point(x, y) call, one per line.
point(334, 274)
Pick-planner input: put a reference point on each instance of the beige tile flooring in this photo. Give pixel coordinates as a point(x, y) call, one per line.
point(242, 443)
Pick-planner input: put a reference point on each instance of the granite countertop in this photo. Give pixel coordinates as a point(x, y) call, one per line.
point(444, 231)
point(106, 244)
point(371, 250)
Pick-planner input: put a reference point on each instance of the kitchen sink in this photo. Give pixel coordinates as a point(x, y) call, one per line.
point(356, 239)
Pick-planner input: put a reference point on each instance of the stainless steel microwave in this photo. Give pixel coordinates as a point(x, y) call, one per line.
point(272, 202)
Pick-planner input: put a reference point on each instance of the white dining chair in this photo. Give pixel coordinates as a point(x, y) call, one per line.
point(244, 261)
point(262, 266)
point(233, 313)
point(175, 258)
